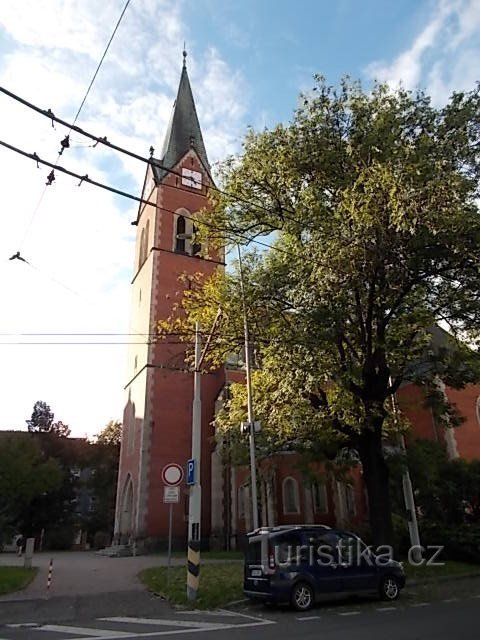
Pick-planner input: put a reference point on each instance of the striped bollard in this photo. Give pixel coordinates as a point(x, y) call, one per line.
point(49, 578)
point(193, 570)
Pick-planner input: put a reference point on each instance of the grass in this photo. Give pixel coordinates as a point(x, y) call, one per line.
point(448, 568)
point(223, 583)
point(212, 555)
point(219, 584)
point(15, 578)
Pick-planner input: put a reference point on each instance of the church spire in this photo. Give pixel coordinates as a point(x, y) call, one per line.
point(183, 131)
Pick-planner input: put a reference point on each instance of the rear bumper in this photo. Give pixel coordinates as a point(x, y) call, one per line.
point(269, 591)
point(258, 595)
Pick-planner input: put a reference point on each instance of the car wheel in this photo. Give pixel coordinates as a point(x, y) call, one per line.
point(389, 588)
point(302, 597)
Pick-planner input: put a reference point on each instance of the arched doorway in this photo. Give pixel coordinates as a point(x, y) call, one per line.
point(126, 514)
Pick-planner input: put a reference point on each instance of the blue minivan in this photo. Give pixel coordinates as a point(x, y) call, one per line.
point(301, 564)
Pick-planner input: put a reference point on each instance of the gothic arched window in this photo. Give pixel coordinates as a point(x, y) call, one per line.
point(291, 502)
point(142, 249)
point(147, 234)
point(179, 232)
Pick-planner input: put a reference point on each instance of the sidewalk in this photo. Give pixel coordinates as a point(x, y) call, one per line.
point(82, 572)
point(84, 584)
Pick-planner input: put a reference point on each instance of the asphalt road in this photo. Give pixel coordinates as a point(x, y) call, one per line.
point(440, 620)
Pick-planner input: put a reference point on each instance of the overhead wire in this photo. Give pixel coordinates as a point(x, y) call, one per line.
point(65, 142)
point(150, 161)
point(86, 178)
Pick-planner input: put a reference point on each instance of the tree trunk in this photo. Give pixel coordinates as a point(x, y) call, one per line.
point(376, 475)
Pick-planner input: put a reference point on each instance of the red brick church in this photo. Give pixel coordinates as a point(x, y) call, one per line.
point(159, 390)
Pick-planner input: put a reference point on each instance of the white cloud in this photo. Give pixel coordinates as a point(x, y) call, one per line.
point(443, 57)
point(79, 240)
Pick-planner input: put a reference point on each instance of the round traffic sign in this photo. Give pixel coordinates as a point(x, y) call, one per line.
point(172, 474)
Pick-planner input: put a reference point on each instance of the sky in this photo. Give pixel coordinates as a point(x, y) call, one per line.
point(247, 61)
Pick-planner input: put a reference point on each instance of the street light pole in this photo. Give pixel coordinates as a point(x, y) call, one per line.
point(408, 496)
point(250, 414)
point(195, 501)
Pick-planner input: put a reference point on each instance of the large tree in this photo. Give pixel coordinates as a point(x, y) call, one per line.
point(26, 476)
point(42, 421)
point(370, 202)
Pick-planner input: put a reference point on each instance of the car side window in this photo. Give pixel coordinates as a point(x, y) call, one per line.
point(350, 549)
point(325, 546)
point(286, 548)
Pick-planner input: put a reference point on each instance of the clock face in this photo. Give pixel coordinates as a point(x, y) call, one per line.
point(191, 178)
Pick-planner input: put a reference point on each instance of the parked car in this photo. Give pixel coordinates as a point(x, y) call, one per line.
point(300, 564)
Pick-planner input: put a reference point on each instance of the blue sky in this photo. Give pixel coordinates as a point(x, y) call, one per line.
point(247, 63)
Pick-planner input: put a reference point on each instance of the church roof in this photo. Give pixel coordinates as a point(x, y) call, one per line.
point(183, 132)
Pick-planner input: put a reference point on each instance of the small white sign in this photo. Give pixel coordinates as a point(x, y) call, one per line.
point(171, 494)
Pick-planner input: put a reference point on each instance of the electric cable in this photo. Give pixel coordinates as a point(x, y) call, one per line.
point(151, 161)
point(65, 142)
point(85, 178)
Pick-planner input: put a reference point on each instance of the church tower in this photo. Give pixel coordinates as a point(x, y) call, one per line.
point(157, 422)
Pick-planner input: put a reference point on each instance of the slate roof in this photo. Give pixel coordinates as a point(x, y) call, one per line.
point(183, 132)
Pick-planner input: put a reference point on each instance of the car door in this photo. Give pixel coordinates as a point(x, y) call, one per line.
point(324, 561)
point(357, 565)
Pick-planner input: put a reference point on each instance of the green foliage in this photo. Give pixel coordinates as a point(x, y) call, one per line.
point(459, 541)
point(42, 421)
point(446, 491)
point(447, 497)
point(26, 477)
point(373, 202)
point(111, 434)
point(102, 483)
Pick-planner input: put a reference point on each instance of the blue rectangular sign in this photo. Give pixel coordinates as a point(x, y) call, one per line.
point(191, 471)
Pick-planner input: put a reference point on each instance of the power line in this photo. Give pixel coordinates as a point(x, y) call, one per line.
point(51, 333)
point(85, 178)
point(101, 61)
point(65, 142)
point(150, 161)
point(52, 343)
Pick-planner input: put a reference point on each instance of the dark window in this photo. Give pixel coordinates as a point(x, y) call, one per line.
point(254, 552)
point(180, 241)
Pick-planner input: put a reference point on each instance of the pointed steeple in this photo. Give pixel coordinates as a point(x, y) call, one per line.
point(183, 131)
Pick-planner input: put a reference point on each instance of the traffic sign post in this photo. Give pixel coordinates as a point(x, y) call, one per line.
point(171, 496)
point(172, 475)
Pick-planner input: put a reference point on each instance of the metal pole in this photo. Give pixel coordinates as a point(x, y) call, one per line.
point(251, 418)
point(408, 497)
point(195, 502)
point(169, 541)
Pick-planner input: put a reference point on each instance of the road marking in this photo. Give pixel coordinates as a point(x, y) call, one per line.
point(387, 609)
point(136, 634)
point(309, 618)
point(421, 604)
point(243, 615)
point(23, 624)
point(453, 599)
point(165, 622)
point(477, 596)
point(349, 613)
point(97, 633)
point(202, 612)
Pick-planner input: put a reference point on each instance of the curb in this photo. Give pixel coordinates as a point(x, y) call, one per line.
point(67, 608)
point(452, 578)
